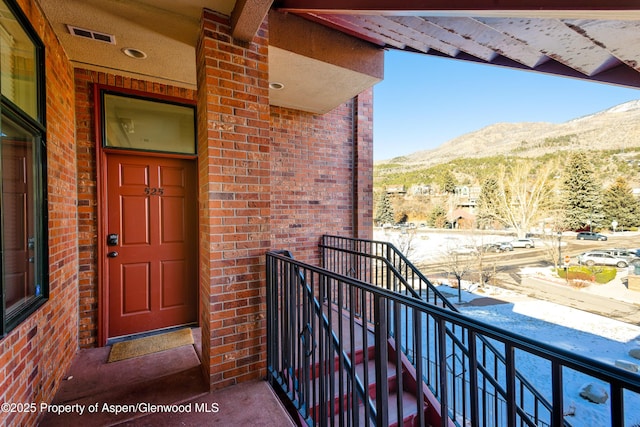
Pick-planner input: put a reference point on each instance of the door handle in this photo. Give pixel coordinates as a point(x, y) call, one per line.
point(112, 254)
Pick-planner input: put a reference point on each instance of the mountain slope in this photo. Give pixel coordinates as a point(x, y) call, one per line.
point(615, 128)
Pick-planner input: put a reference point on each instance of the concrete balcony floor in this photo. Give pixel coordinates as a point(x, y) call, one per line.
point(172, 377)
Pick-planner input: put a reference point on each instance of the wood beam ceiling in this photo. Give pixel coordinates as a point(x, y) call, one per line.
point(403, 7)
point(247, 16)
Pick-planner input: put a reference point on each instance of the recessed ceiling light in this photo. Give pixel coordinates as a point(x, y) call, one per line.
point(134, 53)
point(276, 85)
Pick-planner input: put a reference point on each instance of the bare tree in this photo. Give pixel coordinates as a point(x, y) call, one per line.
point(487, 267)
point(552, 239)
point(525, 193)
point(404, 241)
point(481, 259)
point(459, 265)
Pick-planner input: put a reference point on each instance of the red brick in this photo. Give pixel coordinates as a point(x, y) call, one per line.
point(28, 359)
point(269, 177)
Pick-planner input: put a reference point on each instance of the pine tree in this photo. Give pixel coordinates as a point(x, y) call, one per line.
point(438, 217)
point(448, 182)
point(581, 194)
point(384, 210)
point(619, 204)
point(487, 208)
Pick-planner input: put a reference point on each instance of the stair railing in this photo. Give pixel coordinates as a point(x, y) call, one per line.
point(304, 348)
point(382, 264)
point(421, 323)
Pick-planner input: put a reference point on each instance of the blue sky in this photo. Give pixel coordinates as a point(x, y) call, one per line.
point(425, 101)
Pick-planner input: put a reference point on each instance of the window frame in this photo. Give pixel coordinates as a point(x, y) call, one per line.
point(36, 127)
point(102, 91)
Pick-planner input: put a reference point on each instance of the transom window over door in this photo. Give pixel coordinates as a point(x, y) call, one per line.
point(147, 125)
point(23, 199)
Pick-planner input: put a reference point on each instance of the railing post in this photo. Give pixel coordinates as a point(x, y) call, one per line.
point(398, 359)
point(389, 275)
point(382, 356)
point(417, 343)
point(442, 367)
point(272, 334)
point(617, 405)
point(557, 416)
point(473, 380)
point(510, 374)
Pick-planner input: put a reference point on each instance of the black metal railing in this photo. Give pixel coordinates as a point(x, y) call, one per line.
point(380, 264)
point(314, 345)
point(302, 355)
point(383, 265)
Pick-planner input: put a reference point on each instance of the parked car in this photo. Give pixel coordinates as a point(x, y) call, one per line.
point(464, 250)
point(505, 246)
point(523, 243)
point(496, 247)
point(590, 235)
point(601, 258)
point(631, 255)
point(490, 247)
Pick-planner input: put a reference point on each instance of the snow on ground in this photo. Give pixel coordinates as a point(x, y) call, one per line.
point(567, 328)
point(431, 246)
point(586, 334)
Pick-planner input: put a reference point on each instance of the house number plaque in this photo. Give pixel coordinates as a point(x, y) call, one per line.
point(153, 191)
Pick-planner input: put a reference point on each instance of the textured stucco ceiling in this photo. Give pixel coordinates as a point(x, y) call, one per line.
point(167, 32)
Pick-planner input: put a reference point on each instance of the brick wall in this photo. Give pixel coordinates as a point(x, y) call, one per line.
point(312, 178)
point(234, 172)
point(363, 175)
point(322, 169)
point(35, 355)
point(87, 183)
point(313, 163)
point(269, 178)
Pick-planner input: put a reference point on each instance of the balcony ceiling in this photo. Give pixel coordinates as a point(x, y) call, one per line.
point(593, 40)
point(596, 40)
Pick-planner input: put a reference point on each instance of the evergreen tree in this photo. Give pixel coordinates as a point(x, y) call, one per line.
point(487, 208)
point(438, 217)
point(619, 204)
point(448, 182)
point(581, 194)
point(384, 210)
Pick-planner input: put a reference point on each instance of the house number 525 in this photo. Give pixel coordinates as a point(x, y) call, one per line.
point(154, 191)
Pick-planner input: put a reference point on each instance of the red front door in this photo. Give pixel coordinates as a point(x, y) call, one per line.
point(151, 243)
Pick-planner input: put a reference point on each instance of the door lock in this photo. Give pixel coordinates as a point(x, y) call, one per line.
point(112, 240)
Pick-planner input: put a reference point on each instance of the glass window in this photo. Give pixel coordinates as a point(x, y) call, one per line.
point(142, 124)
point(20, 245)
point(23, 200)
point(18, 63)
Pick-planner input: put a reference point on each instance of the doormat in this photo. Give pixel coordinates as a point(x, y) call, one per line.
point(147, 345)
